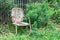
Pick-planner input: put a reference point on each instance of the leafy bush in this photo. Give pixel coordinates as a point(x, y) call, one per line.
point(56, 16)
point(51, 25)
point(5, 8)
point(39, 13)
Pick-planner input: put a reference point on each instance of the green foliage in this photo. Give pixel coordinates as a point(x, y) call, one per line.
point(42, 34)
point(51, 25)
point(39, 13)
point(5, 10)
point(56, 16)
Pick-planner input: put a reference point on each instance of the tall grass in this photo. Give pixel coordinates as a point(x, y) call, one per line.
point(39, 34)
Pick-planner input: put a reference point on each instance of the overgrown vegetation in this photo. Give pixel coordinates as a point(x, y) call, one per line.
point(5, 10)
point(41, 34)
point(44, 16)
point(39, 13)
point(56, 16)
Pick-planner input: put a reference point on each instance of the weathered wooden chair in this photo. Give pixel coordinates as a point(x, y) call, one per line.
point(17, 18)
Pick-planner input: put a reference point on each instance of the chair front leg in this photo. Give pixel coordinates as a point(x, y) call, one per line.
point(16, 29)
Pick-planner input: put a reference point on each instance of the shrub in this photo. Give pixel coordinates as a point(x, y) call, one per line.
point(51, 25)
point(56, 16)
point(5, 8)
point(39, 13)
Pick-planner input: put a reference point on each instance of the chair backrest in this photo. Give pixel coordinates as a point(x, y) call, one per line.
point(17, 15)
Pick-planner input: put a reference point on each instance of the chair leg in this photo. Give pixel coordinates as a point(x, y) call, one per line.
point(30, 27)
point(16, 28)
point(29, 24)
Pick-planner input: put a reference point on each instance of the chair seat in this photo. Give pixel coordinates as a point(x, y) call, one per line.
point(21, 24)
